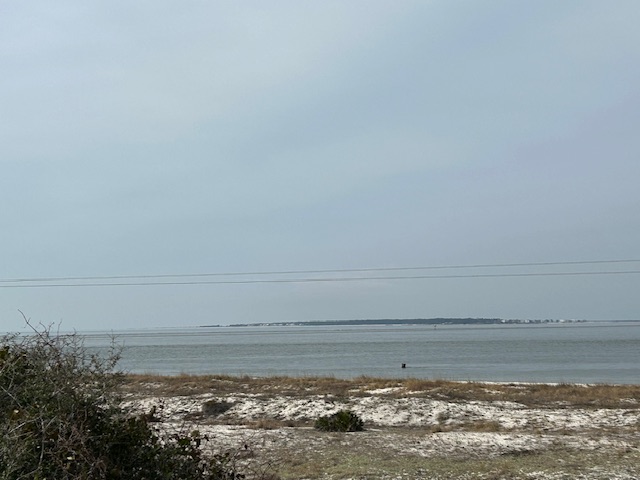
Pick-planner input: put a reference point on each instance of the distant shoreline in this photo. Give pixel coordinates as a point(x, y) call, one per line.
point(404, 321)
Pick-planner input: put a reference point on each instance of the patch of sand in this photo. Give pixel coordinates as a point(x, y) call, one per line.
point(435, 427)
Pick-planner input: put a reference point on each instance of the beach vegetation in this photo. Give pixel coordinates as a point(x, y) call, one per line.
point(341, 421)
point(61, 418)
point(530, 394)
point(215, 407)
point(472, 430)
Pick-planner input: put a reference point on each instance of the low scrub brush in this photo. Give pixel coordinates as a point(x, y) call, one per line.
point(60, 418)
point(342, 421)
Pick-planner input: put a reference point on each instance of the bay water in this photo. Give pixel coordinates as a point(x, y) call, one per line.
point(591, 352)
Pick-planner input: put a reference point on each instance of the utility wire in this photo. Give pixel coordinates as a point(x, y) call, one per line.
point(304, 272)
point(320, 279)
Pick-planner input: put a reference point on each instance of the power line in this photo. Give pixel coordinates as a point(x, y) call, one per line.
point(320, 279)
point(302, 272)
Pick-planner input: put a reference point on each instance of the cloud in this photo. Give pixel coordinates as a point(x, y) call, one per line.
point(156, 136)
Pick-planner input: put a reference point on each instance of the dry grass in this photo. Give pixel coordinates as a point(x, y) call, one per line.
point(386, 453)
point(541, 395)
point(367, 462)
point(531, 394)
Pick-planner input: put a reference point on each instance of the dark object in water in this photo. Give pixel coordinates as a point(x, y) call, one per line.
point(404, 365)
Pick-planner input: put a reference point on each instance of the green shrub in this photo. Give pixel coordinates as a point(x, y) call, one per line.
point(342, 421)
point(215, 407)
point(60, 418)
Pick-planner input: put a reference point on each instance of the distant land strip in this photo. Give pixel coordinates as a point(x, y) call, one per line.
point(401, 321)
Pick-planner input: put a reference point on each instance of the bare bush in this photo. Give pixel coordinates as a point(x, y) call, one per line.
point(60, 417)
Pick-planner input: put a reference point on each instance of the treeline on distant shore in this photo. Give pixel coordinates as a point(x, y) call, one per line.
point(398, 321)
point(403, 321)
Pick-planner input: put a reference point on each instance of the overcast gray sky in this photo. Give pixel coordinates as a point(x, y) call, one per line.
point(156, 137)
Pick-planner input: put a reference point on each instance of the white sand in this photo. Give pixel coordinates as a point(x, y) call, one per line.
point(516, 428)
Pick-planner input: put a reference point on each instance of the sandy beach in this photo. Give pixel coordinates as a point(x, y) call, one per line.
point(412, 430)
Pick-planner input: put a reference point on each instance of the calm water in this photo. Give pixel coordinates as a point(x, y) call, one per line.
point(605, 352)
